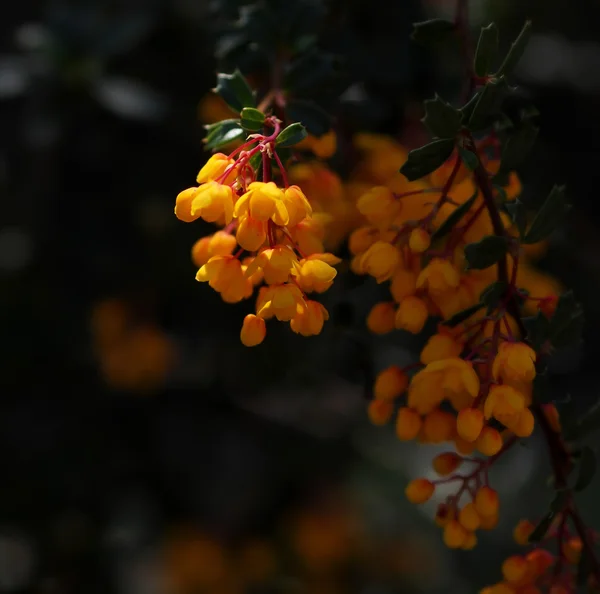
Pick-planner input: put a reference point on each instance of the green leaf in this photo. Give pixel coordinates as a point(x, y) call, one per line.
point(556, 506)
point(587, 468)
point(487, 251)
point(433, 31)
point(487, 48)
point(540, 530)
point(454, 218)
point(462, 316)
point(428, 158)
point(441, 119)
point(487, 107)
point(291, 135)
point(469, 158)
point(234, 90)
point(492, 295)
point(518, 213)
point(223, 133)
point(566, 325)
point(516, 51)
point(518, 146)
point(255, 160)
point(315, 119)
point(252, 119)
point(549, 216)
point(538, 330)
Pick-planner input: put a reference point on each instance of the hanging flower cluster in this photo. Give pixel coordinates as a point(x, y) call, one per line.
point(268, 237)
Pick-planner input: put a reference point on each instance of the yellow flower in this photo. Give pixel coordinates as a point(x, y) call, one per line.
point(514, 361)
point(253, 330)
point(446, 463)
point(362, 239)
point(251, 234)
point(297, 205)
point(380, 411)
point(212, 202)
point(323, 146)
point(315, 273)
point(390, 383)
point(412, 314)
point(309, 234)
point(419, 240)
point(183, 205)
point(469, 518)
point(439, 276)
point(489, 441)
point(276, 263)
point(440, 346)
point(503, 400)
point(403, 284)
point(439, 380)
point(408, 424)
point(225, 275)
point(281, 301)
point(419, 491)
point(215, 168)
point(380, 261)
point(469, 423)
point(263, 201)
point(309, 319)
point(438, 426)
point(381, 318)
point(455, 534)
point(379, 205)
point(522, 531)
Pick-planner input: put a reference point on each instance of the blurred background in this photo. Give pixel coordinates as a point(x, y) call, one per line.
point(143, 450)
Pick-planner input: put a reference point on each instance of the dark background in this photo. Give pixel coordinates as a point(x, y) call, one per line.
point(154, 462)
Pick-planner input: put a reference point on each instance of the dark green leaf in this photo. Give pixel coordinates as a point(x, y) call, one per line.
point(223, 133)
point(538, 330)
point(441, 118)
point(587, 468)
point(462, 316)
point(516, 50)
point(492, 295)
point(556, 506)
point(255, 160)
point(291, 135)
point(234, 90)
point(252, 118)
point(309, 71)
point(469, 158)
point(487, 107)
point(454, 218)
point(316, 120)
point(432, 32)
point(566, 325)
point(549, 216)
point(487, 48)
point(518, 213)
point(518, 146)
point(540, 530)
point(487, 251)
point(428, 158)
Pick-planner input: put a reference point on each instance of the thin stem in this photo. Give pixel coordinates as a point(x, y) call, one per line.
point(281, 169)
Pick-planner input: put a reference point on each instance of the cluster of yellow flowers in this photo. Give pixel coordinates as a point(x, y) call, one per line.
point(530, 573)
point(279, 241)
